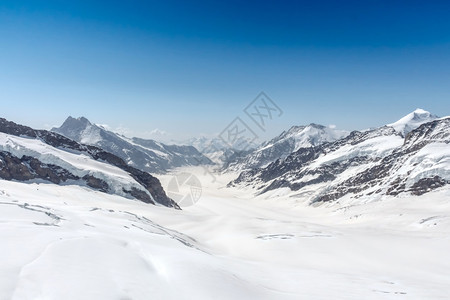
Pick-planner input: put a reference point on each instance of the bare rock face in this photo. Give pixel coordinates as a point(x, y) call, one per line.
point(97, 184)
point(425, 185)
point(12, 168)
point(29, 168)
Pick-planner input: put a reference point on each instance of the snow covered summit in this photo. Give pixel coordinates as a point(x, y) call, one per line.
point(412, 121)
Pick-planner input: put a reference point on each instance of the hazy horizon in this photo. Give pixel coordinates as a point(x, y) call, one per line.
point(168, 137)
point(189, 69)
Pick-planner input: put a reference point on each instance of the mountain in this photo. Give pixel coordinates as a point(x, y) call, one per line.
point(219, 151)
point(208, 145)
point(363, 164)
point(412, 121)
point(146, 155)
point(287, 142)
point(39, 155)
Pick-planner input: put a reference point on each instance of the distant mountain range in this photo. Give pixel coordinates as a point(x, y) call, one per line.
point(411, 155)
point(320, 163)
point(219, 151)
point(146, 155)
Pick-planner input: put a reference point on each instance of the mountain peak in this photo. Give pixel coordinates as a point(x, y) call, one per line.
point(147, 155)
point(79, 120)
point(73, 124)
point(413, 120)
point(317, 126)
point(80, 130)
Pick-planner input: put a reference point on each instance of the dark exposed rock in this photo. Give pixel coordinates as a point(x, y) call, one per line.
point(27, 168)
point(425, 185)
point(153, 185)
point(12, 168)
point(16, 129)
point(396, 187)
point(97, 183)
point(138, 194)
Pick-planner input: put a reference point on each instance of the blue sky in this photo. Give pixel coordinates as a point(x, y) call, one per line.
point(190, 68)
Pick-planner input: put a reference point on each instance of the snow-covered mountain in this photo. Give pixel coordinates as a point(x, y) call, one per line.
point(73, 240)
point(412, 121)
point(287, 142)
point(67, 242)
point(39, 155)
point(146, 155)
point(379, 161)
point(219, 151)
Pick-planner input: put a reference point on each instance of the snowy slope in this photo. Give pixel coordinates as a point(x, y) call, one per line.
point(379, 161)
point(38, 155)
point(71, 243)
point(286, 143)
point(146, 155)
point(68, 242)
point(76, 163)
point(377, 228)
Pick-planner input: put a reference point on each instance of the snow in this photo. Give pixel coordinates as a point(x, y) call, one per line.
point(76, 163)
point(306, 136)
point(138, 146)
point(90, 135)
point(432, 160)
point(286, 143)
point(313, 136)
point(412, 121)
point(151, 156)
point(69, 242)
point(380, 146)
point(306, 178)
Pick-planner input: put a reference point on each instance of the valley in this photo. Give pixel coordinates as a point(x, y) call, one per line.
point(229, 244)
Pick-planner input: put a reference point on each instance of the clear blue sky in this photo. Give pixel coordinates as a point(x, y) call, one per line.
point(190, 67)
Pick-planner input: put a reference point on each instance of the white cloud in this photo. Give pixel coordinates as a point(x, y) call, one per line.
point(124, 131)
point(48, 126)
point(158, 132)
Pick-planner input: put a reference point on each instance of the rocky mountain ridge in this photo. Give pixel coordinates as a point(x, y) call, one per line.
point(286, 143)
point(379, 161)
point(146, 155)
point(29, 154)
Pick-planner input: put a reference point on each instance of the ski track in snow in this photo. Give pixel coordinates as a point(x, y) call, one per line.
point(69, 242)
